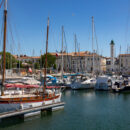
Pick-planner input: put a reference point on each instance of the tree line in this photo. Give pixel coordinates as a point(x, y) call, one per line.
point(12, 62)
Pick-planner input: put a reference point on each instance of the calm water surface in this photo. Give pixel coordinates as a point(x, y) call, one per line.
point(84, 110)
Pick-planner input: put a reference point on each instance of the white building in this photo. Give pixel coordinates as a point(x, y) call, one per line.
point(81, 62)
point(124, 63)
point(26, 59)
point(112, 54)
point(109, 65)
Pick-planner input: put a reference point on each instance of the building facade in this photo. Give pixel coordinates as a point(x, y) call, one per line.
point(112, 44)
point(124, 63)
point(81, 62)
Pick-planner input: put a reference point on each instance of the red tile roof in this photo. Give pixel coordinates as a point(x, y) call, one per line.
point(124, 55)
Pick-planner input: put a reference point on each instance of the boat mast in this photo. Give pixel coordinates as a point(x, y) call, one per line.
point(45, 69)
point(4, 48)
point(41, 60)
point(93, 44)
point(75, 42)
point(120, 60)
point(19, 57)
point(97, 52)
point(62, 54)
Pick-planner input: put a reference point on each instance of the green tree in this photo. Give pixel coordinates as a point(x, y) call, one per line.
point(29, 62)
point(50, 60)
point(19, 62)
point(37, 65)
point(10, 60)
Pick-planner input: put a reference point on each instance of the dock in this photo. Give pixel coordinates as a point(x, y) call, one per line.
point(32, 111)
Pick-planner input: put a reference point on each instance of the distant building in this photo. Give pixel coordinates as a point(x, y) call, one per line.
point(26, 59)
point(112, 55)
point(72, 62)
point(109, 65)
point(83, 61)
point(124, 63)
point(121, 64)
point(80, 62)
point(66, 61)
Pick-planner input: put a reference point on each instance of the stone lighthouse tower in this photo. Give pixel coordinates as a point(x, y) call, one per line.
point(112, 54)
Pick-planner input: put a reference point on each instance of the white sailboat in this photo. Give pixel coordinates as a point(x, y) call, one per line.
point(90, 81)
point(80, 83)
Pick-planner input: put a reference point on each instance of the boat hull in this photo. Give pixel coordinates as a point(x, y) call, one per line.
point(77, 86)
point(12, 106)
point(122, 89)
point(103, 87)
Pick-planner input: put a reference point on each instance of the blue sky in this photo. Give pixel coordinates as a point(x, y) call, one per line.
point(27, 20)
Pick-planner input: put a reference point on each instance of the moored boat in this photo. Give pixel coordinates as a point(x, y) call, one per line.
point(23, 101)
point(82, 82)
point(122, 85)
point(14, 101)
point(103, 83)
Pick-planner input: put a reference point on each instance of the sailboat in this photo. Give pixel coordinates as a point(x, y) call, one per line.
point(83, 81)
point(25, 100)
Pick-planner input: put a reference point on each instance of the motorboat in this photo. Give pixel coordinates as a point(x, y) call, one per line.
point(103, 83)
point(82, 82)
point(122, 85)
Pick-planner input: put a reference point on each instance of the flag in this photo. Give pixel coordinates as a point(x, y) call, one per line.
point(30, 70)
point(57, 54)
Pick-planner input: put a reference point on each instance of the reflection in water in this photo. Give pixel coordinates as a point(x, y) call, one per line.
point(85, 109)
point(5, 123)
point(126, 96)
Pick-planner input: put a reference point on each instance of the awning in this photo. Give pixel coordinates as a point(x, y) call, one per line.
point(21, 86)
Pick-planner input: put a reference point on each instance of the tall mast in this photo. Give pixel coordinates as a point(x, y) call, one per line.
point(4, 47)
point(93, 44)
point(41, 59)
point(45, 69)
point(62, 53)
point(19, 57)
point(33, 54)
point(75, 41)
point(120, 60)
point(80, 68)
point(97, 52)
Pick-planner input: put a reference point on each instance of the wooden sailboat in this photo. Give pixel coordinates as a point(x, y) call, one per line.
point(25, 100)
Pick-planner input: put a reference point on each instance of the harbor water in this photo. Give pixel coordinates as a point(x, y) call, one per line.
point(84, 110)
